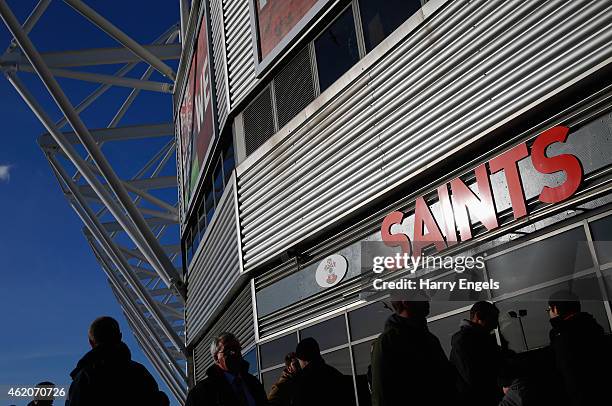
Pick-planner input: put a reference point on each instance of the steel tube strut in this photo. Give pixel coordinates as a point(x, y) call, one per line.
point(108, 27)
point(143, 237)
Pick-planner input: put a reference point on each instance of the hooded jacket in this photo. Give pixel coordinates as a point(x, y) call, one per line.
point(409, 367)
point(580, 356)
point(215, 390)
point(477, 357)
point(106, 375)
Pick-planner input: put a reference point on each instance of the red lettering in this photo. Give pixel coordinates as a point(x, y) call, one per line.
point(508, 163)
point(394, 240)
point(449, 217)
point(423, 218)
point(547, 165)
point(481, 207)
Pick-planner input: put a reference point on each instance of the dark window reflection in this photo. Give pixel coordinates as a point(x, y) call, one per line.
point(209, 203)
point(536, 325)
point(274, 352)
point(445, 328)
point(218, 182)
point(341, 360)
point(368, 320)
point(251, 358)
point(601, 230)
point(329, 334)
point(381, 18)
point(228, 162)
point(560, 255)
point(336, 49)
point(269, 378)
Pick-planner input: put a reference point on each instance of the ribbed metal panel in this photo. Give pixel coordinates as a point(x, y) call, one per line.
point(237, 319)
point(218, 48)
point(465, 71)
point(239, 47)
point(294, 87)
point(216, 268)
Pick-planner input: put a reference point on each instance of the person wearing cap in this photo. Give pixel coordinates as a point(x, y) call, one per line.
point(409, 366)
point(580, 353)
point(477, 356)
point(319, 384)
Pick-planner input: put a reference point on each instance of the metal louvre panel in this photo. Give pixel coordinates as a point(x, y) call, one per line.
point(469, 69)
point(216, 269)
point(239, 47)
point(294, 87)
point(218, 47)
point(237, 319)
point(258, 121)
point(324, 302)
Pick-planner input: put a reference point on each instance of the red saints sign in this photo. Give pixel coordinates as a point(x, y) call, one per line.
point(459, 203)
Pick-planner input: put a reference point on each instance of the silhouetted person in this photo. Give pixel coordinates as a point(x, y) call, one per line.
point(477, 356)
point(281, 393)
point(319, 384)
point(45, 397)
point(518, 389)
point(580, 354)
point(409, 366)
point(228, 382)
point(106, 375)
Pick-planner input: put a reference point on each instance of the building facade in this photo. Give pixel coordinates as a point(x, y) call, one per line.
point(307, 128)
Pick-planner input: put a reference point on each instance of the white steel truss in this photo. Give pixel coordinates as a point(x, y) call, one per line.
point(132, 229)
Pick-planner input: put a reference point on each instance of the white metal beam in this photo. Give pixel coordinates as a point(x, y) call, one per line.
point(108, 27)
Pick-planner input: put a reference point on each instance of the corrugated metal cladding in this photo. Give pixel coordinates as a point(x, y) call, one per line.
point(218, 48)
point(237, 319)
point(216, 268)
point(239, 48)
point(461, 73)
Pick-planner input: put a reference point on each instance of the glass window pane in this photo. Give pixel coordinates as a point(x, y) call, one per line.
point(336, 49)
point(381, 18)
point(274, 352)
point(555, 257)
point(269, 378)
point(251, 358)
point(209, 203)
point(445, 300)
point(362, 360)
point(218, 182)
point(368, 320)
point(228, 162)
point(446, 327)
point(601, 230)
point(341, 360)
point(329, 334)
point(201, 218)
point(535, 324)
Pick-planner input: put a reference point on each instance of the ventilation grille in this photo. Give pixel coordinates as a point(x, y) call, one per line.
point(294, 87)
point(237, 319)
point(258, 121)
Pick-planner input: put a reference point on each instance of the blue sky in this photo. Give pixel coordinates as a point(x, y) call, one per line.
point(51, 287)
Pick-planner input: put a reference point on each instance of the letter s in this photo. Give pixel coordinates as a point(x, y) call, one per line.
point(564, 162)
point(394, 240)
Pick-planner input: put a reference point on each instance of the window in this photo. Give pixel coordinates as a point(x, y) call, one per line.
point(602, 237)
point(336, 49)
point(228, 163)
point(381, 18)
point(251, 358)
point(218, 181)
point(269, 378)
point(560, 255)
point(273, 353)
point(445, 328)
point(368, 320)
point(329, 334)
point(209, 202)
point(201, 219)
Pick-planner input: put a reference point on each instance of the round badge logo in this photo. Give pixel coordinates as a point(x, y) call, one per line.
point(331, 271)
